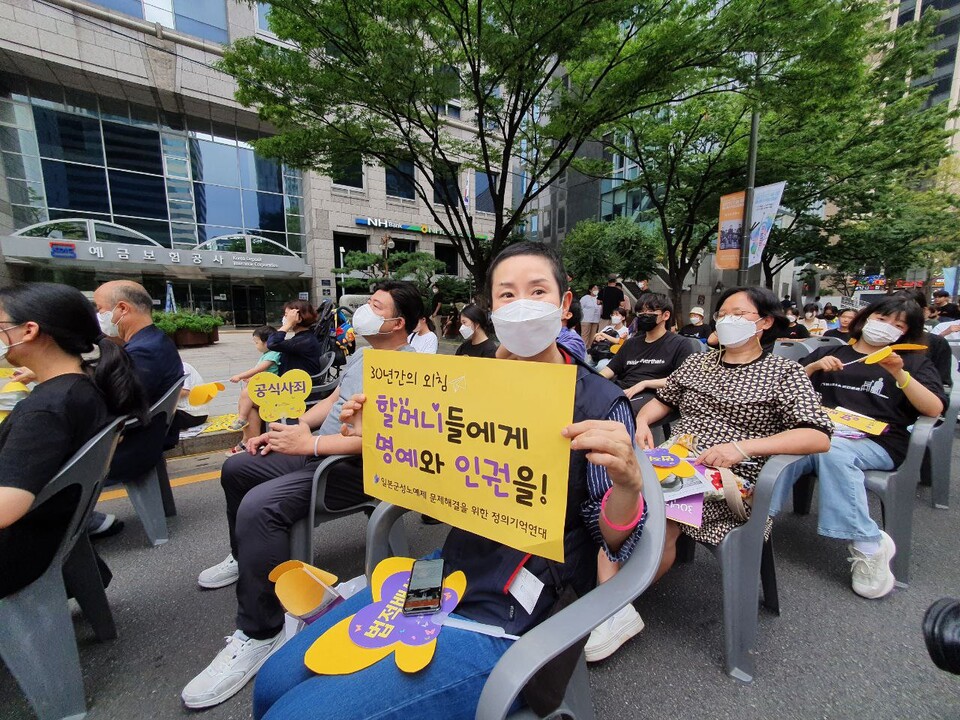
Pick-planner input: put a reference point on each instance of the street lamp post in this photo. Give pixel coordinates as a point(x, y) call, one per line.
point(342, 251)
point(386, 244)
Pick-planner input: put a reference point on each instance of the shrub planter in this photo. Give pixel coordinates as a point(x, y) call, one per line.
point(191, 338)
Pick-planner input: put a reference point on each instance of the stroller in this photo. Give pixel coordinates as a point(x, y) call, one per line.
point(333, 336)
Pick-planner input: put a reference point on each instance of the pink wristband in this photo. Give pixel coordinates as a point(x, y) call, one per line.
point(621, 528)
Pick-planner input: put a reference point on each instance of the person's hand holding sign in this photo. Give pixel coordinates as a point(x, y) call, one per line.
point(351, 415)
point(608, 445)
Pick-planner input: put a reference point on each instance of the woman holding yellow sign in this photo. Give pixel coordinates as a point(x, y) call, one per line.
point(869, 378)
point(505, 588)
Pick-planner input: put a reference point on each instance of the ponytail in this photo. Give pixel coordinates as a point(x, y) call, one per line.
point(114, 376)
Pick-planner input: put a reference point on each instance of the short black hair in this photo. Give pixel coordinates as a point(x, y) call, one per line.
point(529, 248)
point(915, 294)
point(654, 301)
point(263, 332)
point(407, 302)
point(576, 314)
point(896, 306)
point(941, 293)
point(811, 307)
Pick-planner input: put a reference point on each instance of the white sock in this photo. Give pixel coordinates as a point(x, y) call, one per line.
point(867, 547)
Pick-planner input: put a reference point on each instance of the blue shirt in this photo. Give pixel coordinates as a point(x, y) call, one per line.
point(155, 361)
point(572, 342)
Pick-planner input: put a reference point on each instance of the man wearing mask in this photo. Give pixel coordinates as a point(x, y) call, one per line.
point(125, 311)
point(268, 489)
point(794, 329)
point(610, 298)
point(644, 362)
point(591, 314)
point(697, 328)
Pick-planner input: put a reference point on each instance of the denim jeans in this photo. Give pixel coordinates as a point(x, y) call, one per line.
point(843, 509)
point(449, 687)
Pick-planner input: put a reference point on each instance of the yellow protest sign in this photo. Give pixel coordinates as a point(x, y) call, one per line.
point(473, 442)
point(856, 421)
point(280, 397)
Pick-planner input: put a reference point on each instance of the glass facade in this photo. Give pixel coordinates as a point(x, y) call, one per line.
point(400, 180)
point(178, 181)
point(446, 186)
point(205, 19)
point(484, 183)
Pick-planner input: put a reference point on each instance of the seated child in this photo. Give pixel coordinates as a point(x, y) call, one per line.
point(249, 417)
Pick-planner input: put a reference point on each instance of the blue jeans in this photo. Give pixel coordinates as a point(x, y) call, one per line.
point(843, 509)
point(449, 687)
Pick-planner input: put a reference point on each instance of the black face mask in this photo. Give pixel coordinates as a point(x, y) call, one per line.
point(645, 323)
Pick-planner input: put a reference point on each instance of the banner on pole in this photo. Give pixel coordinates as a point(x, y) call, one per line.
point(472, 442)
point(766, 203)
point(730, 234)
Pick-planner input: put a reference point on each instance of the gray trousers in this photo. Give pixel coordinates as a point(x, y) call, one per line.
point(265, 496)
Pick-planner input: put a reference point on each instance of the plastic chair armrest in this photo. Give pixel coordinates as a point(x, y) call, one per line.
point(379, 527)
point(773, 470)
point(919, 439)
point(320, 476)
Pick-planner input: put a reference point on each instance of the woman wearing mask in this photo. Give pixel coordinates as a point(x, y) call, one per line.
point(794, 331)
point(616, 331)
point(47, 328)
point(591, 314)
point(896, 391)
point(604, 509)
point(298, 347)
point(814, 325)
point(740, 405)
point(474, 326)
point(829, 316)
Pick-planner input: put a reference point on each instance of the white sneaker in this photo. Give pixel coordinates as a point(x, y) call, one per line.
point(608, 637)
point(872, 577)
point(230, 670)
point(220, 575)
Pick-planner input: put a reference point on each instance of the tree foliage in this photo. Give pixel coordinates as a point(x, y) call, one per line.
point(838, 119)
point(593, 250)
point(362, 270)
point(536, 78)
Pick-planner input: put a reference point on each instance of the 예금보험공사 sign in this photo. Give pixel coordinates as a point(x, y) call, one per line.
point(472, 442)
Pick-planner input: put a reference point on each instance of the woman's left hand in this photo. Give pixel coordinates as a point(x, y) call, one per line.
point(893, 364)
point(290, 439)
point(609, 445)
point(718, 456)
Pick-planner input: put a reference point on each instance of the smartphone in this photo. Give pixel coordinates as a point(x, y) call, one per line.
point(425, 588)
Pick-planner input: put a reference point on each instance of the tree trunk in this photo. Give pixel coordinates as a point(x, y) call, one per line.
point(676, 297)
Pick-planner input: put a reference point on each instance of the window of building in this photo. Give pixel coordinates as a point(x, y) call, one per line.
point(447, 254)
point(404, 246)
point(347, 243)
point(68, 154)
point(262, 23)
point(446, 186)
point(206, 19)
point(484, 191)
point(350, 175)
point(561, 219)
point(400, 180)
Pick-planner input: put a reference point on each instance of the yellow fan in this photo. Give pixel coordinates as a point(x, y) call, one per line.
point(202, 394)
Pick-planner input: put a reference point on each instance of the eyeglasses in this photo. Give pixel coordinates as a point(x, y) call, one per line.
point(735, 313)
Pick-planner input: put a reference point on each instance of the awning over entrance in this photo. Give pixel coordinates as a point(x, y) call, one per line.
point(98, 245)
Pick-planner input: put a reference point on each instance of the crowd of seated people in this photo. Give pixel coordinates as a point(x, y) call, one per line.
point(733, 406)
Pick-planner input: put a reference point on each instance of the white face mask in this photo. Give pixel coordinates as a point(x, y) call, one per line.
point(466, 332)
point(367, 322)
point(616, 319)
point(4, 348)
point(791, 318)
point(809, 315)
point(733, 331)
point(527, 327)
point(107, 325)
point(877, 332)
point(695, 319)
point(594, 292)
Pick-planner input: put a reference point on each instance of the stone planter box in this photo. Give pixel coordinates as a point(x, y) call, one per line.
point(189, 338)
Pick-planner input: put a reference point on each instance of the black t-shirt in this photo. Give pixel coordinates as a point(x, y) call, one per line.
point(486, 349)
point(42, 432)
point(610, 297)
point(797, 332)
point(701, 331)
point(870, 390)
point(940, 355)
point(837, 333)
point(639, 360)
point(950, 311)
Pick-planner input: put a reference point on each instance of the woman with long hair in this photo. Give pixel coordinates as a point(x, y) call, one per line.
point(48, 328)
point(475, 330)
point(298, 347)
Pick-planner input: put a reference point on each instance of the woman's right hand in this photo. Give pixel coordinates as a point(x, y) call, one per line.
point(828, 363)
point(351, 415)
point(644, 436)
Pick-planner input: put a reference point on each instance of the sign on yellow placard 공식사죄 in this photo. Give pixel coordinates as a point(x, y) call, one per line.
point(280, 398)
point(472, 442)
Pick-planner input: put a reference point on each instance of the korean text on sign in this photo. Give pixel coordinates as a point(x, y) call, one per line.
point(473, 442)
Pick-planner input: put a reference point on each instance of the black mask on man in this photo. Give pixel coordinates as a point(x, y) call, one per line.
point(645, 323)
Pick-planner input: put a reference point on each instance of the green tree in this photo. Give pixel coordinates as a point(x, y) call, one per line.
point(837, 117)
point(535, 79)
point(417, 267)
point(593, 250)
